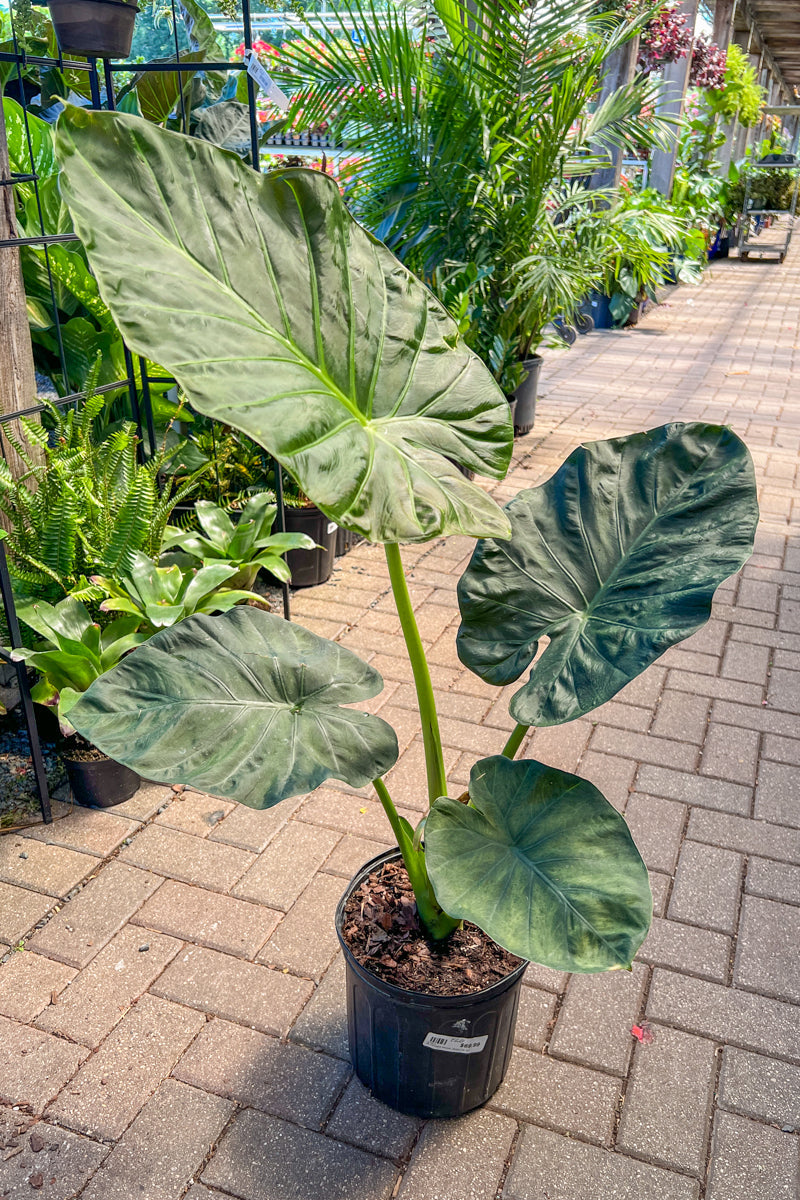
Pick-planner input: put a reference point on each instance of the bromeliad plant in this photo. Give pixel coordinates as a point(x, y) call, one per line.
point(340, 363)
point(247, 546)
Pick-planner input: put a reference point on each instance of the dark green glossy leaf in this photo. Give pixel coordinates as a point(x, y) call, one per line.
point(226, 124)
point(615, 559)
point(543, 863)
point(244, 705)
point(279, 315)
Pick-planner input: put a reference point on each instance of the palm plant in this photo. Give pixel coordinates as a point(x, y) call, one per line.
point(463, 141)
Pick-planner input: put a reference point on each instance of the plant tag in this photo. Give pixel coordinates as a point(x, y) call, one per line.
point(265, 81)
point(331, 526)
point(455, 1045)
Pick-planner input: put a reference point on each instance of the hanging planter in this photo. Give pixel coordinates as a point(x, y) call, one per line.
point(94, 28)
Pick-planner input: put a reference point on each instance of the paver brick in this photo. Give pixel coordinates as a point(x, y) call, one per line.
point(88, 830)
point(668, 1101)
point(749, 1160)
point(197, 915)
point(687, 948)
point(110, 1089)
point(746, 662)
point(195, 812)
point(89, 920)
point(254, 828)
point(756, 1086)
point(53, 870)
point(335, 810)
point(751, 716)
point(101, 994)
point(28, 982)
point(558, 1094)
point(306, 941)
point(545, 977)
point(158, 1155)
point(351, 853)
point(776, 881)
point(463, 1158)
point(748, 837)
point(694, 789)
point(548, 1165)
point(534, 1015)
point(611, 773)
point(782, 749)
point(657, 827)
point(659, 886)
point(683, 716)
point(285, 868)
point(594, 1024)
point(263, 1158)
point(645, 689)
point(229, 987)
point(260, 1072)
point(184, 856)
point(145, 802)
point(34, 1066)
point(731, 753)
point(715, 688)
point(65, 1162)
point(20, 909)
point(725, 1014)
point(322, 1024)
point(762, 962)
point(707, 887)
point(778, 794)
point(665, 752)
point(363, 1121)
point(408, 781)
point(561, 746)
point(784, 690)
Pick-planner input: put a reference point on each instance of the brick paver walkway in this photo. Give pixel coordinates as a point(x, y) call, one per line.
point(175, 1024)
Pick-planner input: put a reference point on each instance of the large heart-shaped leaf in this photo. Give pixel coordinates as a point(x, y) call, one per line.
point(543, 863)
point(279, 315)
point(615, 559)
point(244, 705)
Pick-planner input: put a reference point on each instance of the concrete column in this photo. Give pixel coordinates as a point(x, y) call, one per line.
point(676, 80)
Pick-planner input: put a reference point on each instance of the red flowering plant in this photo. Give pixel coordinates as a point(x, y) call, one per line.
point(665, 39)
point(708, 64)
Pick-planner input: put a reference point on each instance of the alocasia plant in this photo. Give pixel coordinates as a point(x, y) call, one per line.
point(279, 315)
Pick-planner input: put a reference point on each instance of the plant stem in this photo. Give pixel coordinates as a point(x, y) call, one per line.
point(436, 921)
point(515, 741)
point(434, 759)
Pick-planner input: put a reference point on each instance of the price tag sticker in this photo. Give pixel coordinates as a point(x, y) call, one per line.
point(455, 1045)
point(268, 86)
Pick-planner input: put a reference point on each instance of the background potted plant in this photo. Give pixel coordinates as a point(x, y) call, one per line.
point(369, 397)
point(75, 651)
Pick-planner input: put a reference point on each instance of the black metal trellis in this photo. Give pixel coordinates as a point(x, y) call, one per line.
point(138, 388)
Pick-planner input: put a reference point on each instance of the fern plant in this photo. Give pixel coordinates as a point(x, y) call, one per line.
point(88, 507)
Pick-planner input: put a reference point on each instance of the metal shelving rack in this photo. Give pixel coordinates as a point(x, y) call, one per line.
point(751, 220)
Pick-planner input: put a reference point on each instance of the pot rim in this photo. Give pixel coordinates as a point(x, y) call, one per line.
point(393, 990)
point(134, 8)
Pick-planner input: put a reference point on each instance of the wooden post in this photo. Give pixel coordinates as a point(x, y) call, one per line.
point(723, 22)
point(17, 375)
point(676, 80)
point(620, 70)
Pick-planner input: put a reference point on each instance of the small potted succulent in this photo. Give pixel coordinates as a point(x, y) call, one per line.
point(345, 368)
point(94, 28)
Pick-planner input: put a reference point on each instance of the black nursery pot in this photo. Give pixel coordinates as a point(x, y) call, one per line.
point(525, 396)
point(430, 1056)
point(94, 28)
point(310, 567)
point(100, 783)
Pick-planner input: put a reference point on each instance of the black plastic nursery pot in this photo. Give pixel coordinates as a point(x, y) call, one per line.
point(346, 539)
point(100, 783)
point(310, 567)
point(525, 396)
point(430, 1056)
point(94, 28)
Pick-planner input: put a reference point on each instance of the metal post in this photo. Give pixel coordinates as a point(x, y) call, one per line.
point(15, 636)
